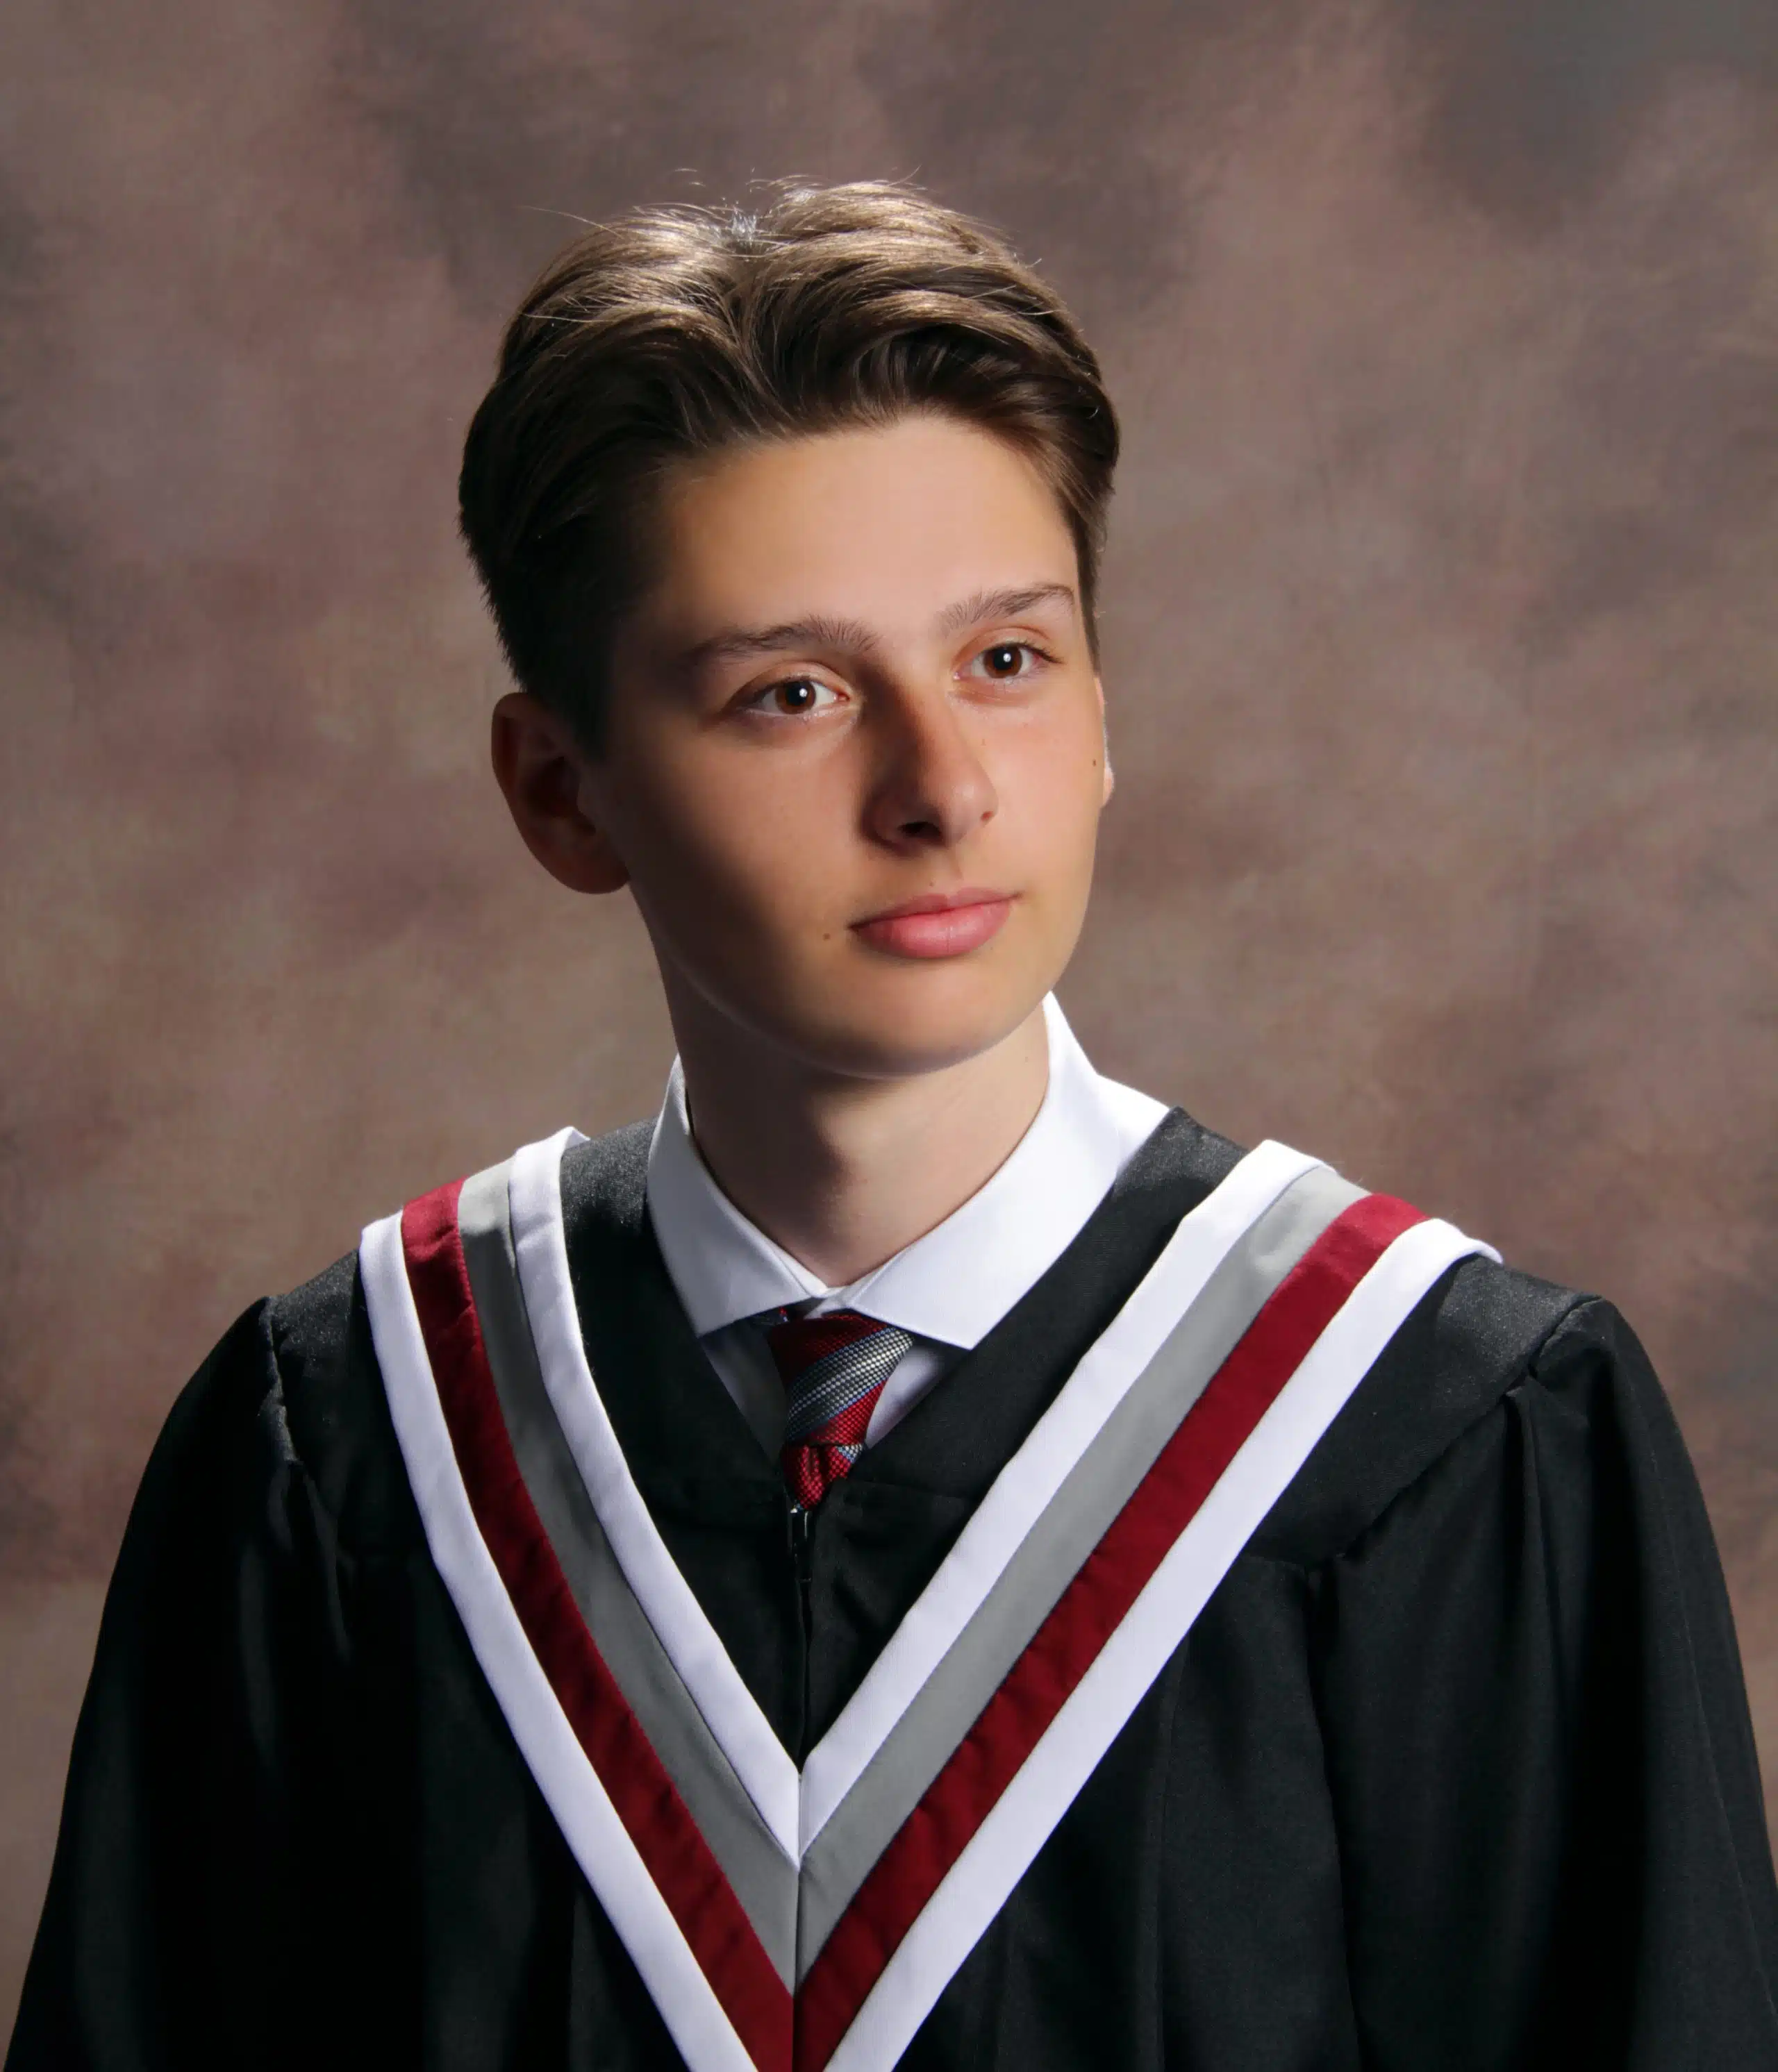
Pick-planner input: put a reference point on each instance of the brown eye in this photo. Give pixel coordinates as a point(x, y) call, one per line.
point(1006, 658)
point(798, 695)
point(795, 698)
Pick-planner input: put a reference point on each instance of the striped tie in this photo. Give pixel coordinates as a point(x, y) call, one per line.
point(834, 1369)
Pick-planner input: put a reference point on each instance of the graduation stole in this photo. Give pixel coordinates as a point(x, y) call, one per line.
point(788, 1921)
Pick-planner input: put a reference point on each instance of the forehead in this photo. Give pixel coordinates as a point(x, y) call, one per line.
point(888, 525)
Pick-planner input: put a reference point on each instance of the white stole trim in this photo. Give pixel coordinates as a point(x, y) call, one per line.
point(729, 1708)
point(590, 1823)
point(981, 1880)
point(1005, 1515)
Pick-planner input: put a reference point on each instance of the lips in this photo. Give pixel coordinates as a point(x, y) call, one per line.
point(940, 924)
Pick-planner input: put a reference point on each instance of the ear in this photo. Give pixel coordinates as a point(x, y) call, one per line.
point(1109, 783)
point(539, 764)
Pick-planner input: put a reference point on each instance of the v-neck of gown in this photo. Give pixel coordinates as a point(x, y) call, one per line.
point(719, 1502)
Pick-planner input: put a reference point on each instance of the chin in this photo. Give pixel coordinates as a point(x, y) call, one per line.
point(922, 1020)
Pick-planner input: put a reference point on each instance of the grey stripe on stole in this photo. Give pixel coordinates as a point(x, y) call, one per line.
point(1096, 1490)
point(763, 1880)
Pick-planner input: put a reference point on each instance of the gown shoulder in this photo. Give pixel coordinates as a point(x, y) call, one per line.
point(1535, 1727)
point(305, 1359)
point(1483, 1330)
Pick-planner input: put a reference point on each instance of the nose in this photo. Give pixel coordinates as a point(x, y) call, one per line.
point(933, 790)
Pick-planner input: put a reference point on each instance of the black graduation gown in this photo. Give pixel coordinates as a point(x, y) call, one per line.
point(1455, 1770)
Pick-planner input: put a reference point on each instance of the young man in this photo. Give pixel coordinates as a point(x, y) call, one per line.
point(918, 1554)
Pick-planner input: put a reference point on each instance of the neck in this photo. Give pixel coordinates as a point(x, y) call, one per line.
point(842, 1171)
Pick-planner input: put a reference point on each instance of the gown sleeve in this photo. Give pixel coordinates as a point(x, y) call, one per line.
point(190, 1898)
point(1553, 1841)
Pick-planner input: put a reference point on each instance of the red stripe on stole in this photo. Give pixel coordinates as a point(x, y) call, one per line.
point(959, 1798)
point(675, 1854)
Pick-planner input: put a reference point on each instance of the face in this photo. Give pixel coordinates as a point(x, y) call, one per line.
point(853, 762)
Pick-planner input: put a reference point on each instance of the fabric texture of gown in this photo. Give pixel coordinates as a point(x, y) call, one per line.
point(1455, 1770)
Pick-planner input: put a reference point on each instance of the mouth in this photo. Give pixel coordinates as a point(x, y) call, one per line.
point(937, 924)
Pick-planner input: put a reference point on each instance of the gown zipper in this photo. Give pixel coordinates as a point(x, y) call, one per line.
point(802, 1520)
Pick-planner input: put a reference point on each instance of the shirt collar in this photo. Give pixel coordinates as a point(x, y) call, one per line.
point(954, 1284)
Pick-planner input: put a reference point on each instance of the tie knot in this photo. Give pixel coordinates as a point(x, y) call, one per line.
point(798, 1342)
point(834, 1368)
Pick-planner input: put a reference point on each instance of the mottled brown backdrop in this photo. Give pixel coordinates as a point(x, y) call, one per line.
point(1441, 628)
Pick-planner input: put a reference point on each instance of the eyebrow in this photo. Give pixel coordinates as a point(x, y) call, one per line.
point(853, 637)
point(1002, 604)
point(819, 630)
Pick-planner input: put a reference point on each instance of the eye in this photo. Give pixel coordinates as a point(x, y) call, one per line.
point(795, 698)
point(1006, 660)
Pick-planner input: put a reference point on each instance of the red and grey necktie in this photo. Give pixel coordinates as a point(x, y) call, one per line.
point(834, 1369)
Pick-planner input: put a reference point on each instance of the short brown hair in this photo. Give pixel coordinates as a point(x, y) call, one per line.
point(674, 333)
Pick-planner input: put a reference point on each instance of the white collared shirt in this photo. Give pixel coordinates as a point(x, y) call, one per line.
point(948, 1288)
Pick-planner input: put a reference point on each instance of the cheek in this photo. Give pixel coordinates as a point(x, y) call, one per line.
point(734, 848)
point(1052, 792)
